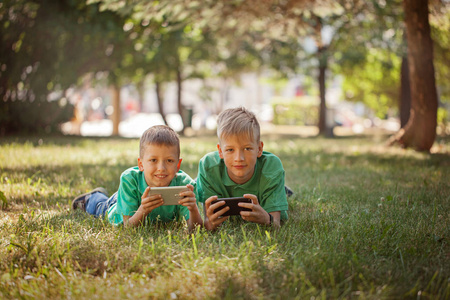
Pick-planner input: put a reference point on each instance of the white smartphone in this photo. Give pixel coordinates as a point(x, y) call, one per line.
point(170, 194)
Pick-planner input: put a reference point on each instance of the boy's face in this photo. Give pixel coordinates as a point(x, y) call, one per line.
point(160, 164)
point(239, 153)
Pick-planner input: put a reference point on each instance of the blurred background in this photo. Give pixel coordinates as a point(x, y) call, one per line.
point(114, 67)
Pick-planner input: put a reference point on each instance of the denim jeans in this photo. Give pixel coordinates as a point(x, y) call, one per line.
point(98, 204)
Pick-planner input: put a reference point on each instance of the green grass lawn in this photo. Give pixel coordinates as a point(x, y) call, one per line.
point(365, 222)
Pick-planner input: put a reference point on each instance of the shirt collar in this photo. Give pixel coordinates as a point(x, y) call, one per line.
point(228, 182)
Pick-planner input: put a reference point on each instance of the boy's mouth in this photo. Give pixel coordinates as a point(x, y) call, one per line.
point(160, 176)
point(239, 166)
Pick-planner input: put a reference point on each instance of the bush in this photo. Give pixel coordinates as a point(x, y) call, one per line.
point(27, 117)
point(297, 111)
point(442, 120)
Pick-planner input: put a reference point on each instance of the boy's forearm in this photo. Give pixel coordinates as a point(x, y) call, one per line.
point(135, 220)
point(276, 217)
point(209, 226)
point(194, 219)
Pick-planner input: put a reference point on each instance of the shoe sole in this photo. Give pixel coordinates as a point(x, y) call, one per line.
point(99, 189)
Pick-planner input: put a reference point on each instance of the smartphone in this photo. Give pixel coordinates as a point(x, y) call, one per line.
point(170, 194)
point(232, 203)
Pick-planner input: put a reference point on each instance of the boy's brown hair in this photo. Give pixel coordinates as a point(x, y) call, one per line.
point(161, 135)
point(237, 121)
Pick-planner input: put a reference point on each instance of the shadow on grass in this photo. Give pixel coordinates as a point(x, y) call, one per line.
point(59, 184)
point(88, 244)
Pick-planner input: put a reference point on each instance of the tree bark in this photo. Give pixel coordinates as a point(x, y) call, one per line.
point(141, 92)
point(116, 105)
point(160, 100)
point(405, 93)
point(420, 131)
point(322, 56)
point(180, 106)
point(322, 91)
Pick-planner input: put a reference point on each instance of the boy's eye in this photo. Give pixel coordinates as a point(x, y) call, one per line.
point(248, 148)
point(170, 160)
point(153, 160)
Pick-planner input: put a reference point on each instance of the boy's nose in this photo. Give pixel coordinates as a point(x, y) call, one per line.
point(239, 155)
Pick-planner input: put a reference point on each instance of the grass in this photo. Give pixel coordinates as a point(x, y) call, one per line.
point(365, 222)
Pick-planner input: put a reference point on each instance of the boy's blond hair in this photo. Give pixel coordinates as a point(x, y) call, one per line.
point(160, 135)
point(237, 121)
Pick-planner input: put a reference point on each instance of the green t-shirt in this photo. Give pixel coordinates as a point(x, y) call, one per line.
point(132, 187)
point(267, 182)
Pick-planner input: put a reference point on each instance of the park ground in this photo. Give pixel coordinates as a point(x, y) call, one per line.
point(366, 221)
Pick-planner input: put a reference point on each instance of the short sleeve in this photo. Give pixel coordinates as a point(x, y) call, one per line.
point(205, 182)
point(204, 188)
point(273, 193)
point(128, 198)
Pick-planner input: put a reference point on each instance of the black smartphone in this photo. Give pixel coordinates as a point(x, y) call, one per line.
point(232, 203)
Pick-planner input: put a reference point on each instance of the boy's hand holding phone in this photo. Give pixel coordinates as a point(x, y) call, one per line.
point(188, 199)
point(233, 204)
point(149, 202)
point(175, 195)
point(217, 211)
point(257, 214)
point(215, 218)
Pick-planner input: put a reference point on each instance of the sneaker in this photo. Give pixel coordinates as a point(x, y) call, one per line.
point(288, 190)
point(80, 201)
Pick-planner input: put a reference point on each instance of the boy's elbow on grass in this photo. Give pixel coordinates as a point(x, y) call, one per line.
point(195, 219)
point(134, 221)
point(127, 222)
point(276, 219)
point(193, 224)
point(276, 224)
point(209, 226)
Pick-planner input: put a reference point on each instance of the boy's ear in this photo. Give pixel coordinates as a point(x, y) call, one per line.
point(179, 164)
point(140, 165)
point(260, 148)
point(220, 150)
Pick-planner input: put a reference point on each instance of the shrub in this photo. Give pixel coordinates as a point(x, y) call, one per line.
point(27, 117)
point(297, 111)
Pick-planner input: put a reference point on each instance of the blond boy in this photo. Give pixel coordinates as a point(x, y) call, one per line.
point(240, 168)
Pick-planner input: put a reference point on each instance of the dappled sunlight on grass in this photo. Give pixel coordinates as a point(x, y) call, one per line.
point(365, 221)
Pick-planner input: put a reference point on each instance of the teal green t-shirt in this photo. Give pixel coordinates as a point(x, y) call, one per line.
point(267, 182)
point(132, 187)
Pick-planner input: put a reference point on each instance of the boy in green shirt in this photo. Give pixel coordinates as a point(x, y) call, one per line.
point(240, 168)
point(158, 166)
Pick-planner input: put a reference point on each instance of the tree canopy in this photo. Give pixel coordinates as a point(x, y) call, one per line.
point(48, 46)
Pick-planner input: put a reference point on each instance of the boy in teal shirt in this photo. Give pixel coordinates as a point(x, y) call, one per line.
point(240, 168)
point(158, 166)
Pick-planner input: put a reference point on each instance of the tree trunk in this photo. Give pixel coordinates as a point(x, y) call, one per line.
point(141, 92)
point(116, 105)
point(420, 131)
point(160, 100)
point(405, 93)
point(322, 91)
point(322, 56)
point(180, 106)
